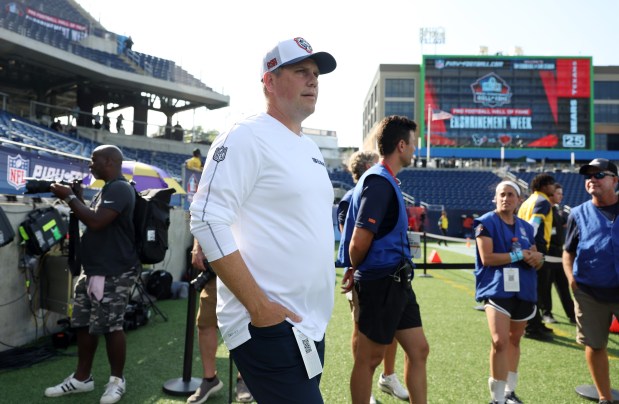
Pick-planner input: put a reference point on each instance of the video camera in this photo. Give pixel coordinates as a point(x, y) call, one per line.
point(204, 277)
point(39, 186)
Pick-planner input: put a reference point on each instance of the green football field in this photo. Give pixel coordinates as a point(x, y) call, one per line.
point(457, 365)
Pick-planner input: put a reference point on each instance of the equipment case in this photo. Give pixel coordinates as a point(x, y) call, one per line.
point(42, 229)
point(7, 234)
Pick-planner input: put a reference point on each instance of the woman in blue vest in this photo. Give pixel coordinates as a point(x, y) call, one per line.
point(506, 281)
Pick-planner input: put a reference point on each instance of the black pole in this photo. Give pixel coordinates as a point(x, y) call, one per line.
point(230, 370)
point(425, 252)
point(186, 385)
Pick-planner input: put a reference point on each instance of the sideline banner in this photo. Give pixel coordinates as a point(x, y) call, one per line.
point(16, 165)
point(191, 179)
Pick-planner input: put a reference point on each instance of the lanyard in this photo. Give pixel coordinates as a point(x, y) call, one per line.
point(397, 181)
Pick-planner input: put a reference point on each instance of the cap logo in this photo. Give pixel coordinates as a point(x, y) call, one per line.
point(303, 44)
point(271, 63)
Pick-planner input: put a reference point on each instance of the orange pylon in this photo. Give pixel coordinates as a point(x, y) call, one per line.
point(468, 242)
point(434, 258)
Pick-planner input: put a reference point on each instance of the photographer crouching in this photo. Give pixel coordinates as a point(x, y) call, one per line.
point(110, 265)
point(206, 320)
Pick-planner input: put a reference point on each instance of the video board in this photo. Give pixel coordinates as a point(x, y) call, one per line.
point(509, 101)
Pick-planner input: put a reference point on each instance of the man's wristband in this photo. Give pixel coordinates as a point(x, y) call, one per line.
point(516, 256)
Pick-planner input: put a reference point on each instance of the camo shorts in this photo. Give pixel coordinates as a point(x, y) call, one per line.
point(107, 315)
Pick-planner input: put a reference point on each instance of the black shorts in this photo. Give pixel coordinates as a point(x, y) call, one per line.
point(516, 309)
point(385, 306)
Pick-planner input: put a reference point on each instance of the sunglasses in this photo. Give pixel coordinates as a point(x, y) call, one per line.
point(598, 176)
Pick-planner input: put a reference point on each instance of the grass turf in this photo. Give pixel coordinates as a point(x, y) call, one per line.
point(457, 365)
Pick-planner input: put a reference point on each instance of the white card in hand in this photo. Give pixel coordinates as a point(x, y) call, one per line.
point(307, 347)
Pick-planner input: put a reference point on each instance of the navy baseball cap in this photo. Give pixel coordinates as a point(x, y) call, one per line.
point(598, 165)
point(293, 51)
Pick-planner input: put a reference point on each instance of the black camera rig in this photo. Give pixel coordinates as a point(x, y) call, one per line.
point(204, 277)
point(39, 186)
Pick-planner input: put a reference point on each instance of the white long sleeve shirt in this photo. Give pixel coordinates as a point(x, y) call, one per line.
point(265, 192)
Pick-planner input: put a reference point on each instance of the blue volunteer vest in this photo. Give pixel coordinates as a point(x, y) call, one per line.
point(489, 279)
point(597, 254)
point(386, 252)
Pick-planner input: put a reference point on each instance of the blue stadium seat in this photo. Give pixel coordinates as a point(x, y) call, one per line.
point(41, 136)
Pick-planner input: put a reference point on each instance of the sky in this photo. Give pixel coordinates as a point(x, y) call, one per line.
point(223, 42)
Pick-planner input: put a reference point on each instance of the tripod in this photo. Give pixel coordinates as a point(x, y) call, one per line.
point(144, 297)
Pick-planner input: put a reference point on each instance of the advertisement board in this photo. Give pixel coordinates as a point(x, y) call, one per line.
point(508, 101)
point(16, 165)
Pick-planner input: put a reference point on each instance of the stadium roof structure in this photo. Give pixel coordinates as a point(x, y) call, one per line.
point(40, 63)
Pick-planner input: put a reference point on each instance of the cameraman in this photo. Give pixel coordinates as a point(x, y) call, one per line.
point(207, 336)
point(109, 269)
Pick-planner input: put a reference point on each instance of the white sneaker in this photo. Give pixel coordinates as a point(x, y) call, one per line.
point(372, 399)
point(114, 390)
point(70, 385)
point(391, 385)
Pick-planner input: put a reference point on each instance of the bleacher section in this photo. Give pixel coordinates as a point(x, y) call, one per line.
point(60, 39)
point(17, 129)
point(61, 9)
point(69, 40)
point(164, 69)
point(467, 189)
point(455, 189)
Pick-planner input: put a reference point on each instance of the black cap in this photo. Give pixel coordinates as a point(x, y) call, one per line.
point(600, 165)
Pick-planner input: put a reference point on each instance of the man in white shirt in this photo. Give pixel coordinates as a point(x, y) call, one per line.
point(262, 215)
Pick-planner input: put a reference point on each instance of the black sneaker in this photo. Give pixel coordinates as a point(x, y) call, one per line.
point(605, 402)
point(538, 335)
point(205, 390)
point(512, 398)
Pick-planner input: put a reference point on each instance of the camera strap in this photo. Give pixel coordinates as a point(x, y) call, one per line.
point(75, 264)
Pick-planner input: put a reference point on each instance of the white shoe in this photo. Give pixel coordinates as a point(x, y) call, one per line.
point(372, 399)
point(70, 385)
point(391, 385)
point(548, 319)
point(114, 390)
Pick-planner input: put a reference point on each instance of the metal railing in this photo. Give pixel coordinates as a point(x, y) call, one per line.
point(47, 134)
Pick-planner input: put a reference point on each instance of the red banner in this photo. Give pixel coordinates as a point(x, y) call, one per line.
point(55, 20)
point(573, 78)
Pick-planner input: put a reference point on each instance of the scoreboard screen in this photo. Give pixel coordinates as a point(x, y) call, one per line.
point(511, 102)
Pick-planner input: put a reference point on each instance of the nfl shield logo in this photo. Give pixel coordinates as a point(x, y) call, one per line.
point(220, 154)
point(17, 171)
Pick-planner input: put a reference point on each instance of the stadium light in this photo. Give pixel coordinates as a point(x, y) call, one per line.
point(432, 35)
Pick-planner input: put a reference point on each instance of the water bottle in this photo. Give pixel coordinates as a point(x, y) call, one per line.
point(516, 247)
